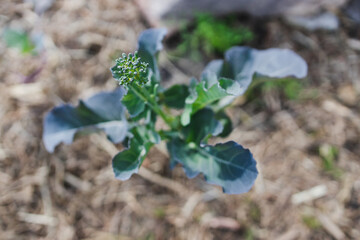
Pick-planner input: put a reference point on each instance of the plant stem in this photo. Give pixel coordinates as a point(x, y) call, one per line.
point(143, 94)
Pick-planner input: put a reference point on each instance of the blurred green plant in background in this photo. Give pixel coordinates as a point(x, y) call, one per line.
point(18, 39)
point(211, 36)
point(311, 222)
point(289, 88)
point(329, 155)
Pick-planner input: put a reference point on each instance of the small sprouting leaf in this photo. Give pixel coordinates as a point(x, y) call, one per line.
point(103, 111)
point(149, 44)
point(133, 103)
point(19, 40)
point(201, 95)
point(128, 162)
point(241, 63)
point(228, 164)
point(175, 96)
point(203, 125)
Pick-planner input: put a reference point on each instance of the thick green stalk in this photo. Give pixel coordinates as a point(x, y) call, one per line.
point(143, 94)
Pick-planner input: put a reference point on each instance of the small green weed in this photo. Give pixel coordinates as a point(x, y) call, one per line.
point(329, 155)
point(18, 39)
point(149, 236)
point(159, 212)
point(311, 222)
point(254, 212)
point(249, 234)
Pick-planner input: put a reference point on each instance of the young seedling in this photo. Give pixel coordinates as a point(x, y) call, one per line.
point(129, 113)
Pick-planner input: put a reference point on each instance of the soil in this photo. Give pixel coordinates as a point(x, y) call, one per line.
point(72, 193)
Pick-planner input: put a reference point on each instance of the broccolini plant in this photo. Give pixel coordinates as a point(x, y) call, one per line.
point(129, 113)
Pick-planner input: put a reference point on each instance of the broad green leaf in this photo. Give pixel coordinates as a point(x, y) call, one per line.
point(133, 103)
point(228, 164)
point(128, 161)
point(241, 63)
point(175, 96)
point(149, 44)
point(201, 95)
point(103, 111)
point(202, 126)
point(19, 40)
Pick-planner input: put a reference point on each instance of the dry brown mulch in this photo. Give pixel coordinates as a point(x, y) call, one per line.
point(72, 194)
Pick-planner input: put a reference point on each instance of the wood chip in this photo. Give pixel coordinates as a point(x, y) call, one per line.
point(354, 44)
point(309, 195)
point(37, 219)
point(31, 93)
point(77, 182)
point(330, 226)
point(291, 234)
point(190, 204)
point(220, 222)
point(337, 108)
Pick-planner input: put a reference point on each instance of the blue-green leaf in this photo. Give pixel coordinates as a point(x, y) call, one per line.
point(103, 111)
point(128, 162)
point(149, 44)
point(241, 63)
point(175, 96)
point(202, 126)
point(279, 63)
point(203, 94)
point(228, 164)
point(133, 103)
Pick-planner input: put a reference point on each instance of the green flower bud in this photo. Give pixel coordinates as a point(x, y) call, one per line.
point(129, 69)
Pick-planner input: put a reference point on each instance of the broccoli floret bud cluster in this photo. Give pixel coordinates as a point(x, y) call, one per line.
point(130, 68)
